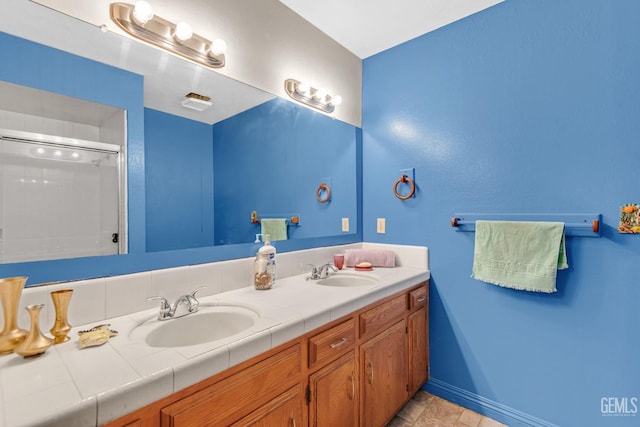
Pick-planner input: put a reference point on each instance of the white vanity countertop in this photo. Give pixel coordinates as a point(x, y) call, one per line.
point(72, 387)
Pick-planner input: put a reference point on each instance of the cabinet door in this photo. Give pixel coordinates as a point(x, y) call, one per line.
point(227, 401)
point(384, 375)
point(418, 349)
point(334, 394)
point(283, 411)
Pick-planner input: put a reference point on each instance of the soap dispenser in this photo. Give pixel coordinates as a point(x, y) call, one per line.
point(270, 252)
point(261, 275)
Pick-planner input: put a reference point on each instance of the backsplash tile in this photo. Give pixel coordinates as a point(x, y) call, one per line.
point(209, 275)
point(95, 300)
point(170, 283)
point(237, 273)
point(128, 293)
point(88, 301)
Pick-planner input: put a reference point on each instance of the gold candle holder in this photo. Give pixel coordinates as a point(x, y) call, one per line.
point(61, 326)
point(10, 292)
point(35, 342)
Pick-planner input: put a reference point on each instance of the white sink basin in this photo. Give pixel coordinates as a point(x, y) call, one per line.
point(347, 280)
point(207, 325)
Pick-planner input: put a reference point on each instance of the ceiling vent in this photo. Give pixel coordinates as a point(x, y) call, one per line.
point(196, 101)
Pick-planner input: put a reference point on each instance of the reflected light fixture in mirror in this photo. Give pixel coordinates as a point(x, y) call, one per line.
point(317, 98)
point(140, 22)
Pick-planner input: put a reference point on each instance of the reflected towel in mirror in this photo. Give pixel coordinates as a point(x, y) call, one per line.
point(276, 228)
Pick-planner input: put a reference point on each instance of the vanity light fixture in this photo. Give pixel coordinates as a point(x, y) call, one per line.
point(317, 98)
point(140, 22)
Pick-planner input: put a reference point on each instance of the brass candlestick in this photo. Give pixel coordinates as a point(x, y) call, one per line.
point(10, 292)
point(61, 326)
point(35, 343)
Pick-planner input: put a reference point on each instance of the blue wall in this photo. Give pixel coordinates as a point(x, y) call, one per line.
point(529, 106)
point(179, 182)
point(280, 153)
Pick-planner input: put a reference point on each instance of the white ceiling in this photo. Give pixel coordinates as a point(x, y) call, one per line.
point(367, 27)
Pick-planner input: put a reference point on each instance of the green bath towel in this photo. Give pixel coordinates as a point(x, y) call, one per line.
point(276, 228)
point(519, 255)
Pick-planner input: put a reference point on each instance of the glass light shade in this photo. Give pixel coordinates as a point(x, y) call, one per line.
point(183, 31)
point(218, 47)
point(320, 94)
point(335, 100)
point(142, 12)
point(304, 89)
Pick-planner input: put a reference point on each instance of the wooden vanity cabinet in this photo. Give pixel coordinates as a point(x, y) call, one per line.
point(383, 360)
point(333, 394)
point(384, 375)
point(358, 370)
point(418, 332)
point(285, 410)
point(228, 400)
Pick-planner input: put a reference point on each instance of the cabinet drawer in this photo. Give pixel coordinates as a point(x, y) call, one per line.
point(418, 298)
point(234, 397)
point(382, 316)
point(331, 343)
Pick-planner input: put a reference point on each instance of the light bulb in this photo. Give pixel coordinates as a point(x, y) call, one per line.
point(320, 94)
point(183, 32)
point(57, 153)
point(335, 100)
point(40, 150)
point(142, 12)
point(218, 47)
point(303, 89)
point(75, 155)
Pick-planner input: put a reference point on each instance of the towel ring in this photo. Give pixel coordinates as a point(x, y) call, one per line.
point(404, 178)
point(323, 187)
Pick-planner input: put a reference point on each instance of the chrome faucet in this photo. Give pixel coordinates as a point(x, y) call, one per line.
point(321, 272)
point(185, 304)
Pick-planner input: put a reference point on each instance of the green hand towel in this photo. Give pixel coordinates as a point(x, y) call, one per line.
point(520, 255)
point(276, 228)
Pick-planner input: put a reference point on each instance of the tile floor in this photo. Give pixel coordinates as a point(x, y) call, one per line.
point(427, 410)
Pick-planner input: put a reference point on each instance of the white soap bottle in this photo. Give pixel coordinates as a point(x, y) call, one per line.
point(270, 252)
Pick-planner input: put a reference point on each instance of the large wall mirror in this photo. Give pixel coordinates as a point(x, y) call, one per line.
point(192, 178)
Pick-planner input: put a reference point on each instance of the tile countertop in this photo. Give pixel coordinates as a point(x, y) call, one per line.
point(73, 387)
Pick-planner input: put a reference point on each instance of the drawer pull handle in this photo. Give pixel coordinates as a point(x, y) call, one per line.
point(422, 299)
point(340, 343)
point(370, 372)
point(353, 387)
point(293, 422)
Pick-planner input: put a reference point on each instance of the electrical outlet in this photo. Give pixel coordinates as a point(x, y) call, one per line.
point(345, 224)
point(381, 228)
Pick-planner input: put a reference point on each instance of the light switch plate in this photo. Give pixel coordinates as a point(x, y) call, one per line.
point(381, 226)
point(345, 224)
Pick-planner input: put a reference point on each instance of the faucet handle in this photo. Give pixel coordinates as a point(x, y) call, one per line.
point(193, 294)
point(193, 301)
point(165, 307)
point(164, 304)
